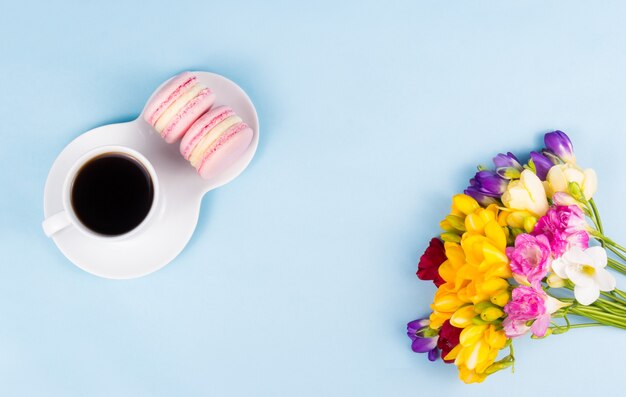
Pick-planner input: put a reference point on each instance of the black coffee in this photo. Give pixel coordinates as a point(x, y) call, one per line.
point(112, 194)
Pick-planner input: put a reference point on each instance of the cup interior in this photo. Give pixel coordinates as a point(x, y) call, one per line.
point(111, 192)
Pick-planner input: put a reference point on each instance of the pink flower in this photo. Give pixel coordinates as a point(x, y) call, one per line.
point(530, 258)
point(565, 227)
point(527, 304)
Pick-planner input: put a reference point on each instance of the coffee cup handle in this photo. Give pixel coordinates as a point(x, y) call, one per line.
point(55, 223)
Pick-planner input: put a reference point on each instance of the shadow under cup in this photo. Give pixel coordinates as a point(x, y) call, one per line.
point(112, 194)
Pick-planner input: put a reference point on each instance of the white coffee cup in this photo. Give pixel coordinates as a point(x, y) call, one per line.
point(68, 218)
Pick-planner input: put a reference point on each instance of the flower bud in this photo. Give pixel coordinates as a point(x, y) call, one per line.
point(464, 203)
point(491, 314)
point(540, 164)
point(456, 222)
point(507, 165)
point(559, 330)
point(479, 321)
point(450, 237)
point(548, 333)
point(564, 199)
point(558, 142)
point(573, 188)
point(555, 281)
point(551, 156)
point(529, 223)
point(501, 299)
point(506, 362)
point(446, 226)
point(480, 306)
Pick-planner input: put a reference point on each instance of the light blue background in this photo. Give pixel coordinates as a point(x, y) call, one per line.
point(300, 277)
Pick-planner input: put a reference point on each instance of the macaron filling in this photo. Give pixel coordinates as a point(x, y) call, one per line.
point(176, 107)
point(203, 126)
point(220, 141)
point(186, 109)
point(213, 135)
point(173, 96)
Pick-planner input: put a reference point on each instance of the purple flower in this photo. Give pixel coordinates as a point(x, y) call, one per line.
point(507, 165)
point(542, 164)
point(559, 144)
point(489, 183)
point(422, 344)
point(486, 186)
point(479, 196)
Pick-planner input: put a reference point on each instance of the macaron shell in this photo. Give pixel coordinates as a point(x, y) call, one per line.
point(188, 115)
point(225, 152)
point(176, 106)
point(201, 126)
point(171, 91)
point(213, 135)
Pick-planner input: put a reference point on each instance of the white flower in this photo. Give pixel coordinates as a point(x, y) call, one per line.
point(587, 270)
point(561, 175)
point(526, 194)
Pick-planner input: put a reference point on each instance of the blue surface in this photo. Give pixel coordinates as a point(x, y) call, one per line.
point(372, 117)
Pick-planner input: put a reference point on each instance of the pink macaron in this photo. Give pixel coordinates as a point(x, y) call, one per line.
point(215, 141)
point(226, 151)
point(177, 105)
point(202, 127)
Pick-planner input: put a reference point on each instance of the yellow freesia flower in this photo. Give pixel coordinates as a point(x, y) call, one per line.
point(454, 224)
point(476, 287)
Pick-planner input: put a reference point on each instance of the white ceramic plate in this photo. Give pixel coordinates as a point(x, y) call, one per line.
point(181, 187)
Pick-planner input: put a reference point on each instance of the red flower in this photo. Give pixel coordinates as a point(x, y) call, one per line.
point(433, 257)
point(448, 339)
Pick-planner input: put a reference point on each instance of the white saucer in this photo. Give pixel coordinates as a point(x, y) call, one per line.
point(181, 192)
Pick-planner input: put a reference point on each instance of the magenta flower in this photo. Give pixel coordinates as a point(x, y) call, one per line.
point(565, 227)
point(421, 343)
point(527, 304)
point(558, 143)
point(530, 258)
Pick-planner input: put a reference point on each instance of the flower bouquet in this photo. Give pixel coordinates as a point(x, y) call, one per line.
point(516, 257)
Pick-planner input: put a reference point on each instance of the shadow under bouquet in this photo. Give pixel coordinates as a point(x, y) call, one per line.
point(523, 251)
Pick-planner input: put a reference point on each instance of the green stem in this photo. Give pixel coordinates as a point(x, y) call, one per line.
point(584, 325)
point(612, 307)
point(619, 293)
point(617, 305)
point(615, 297)
point(596, 215)
point(613, 264)
point(616, 252)
point(614, 244)
point(600, 316)
point(598, 235)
